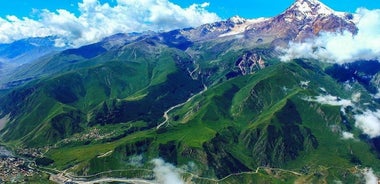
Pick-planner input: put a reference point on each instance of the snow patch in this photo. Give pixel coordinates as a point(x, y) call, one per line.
point(237, 20)
point(312, 8)
point(304, 7)
point(242, 27)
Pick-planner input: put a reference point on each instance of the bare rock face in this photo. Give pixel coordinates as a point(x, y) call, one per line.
point(215, 30)
point(303, 20)
point(249, 63)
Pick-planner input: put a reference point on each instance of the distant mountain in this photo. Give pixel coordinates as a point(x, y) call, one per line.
point(304, 19)
point(26, 50)
point(15, 54)
point(28, 59)
point(214, 100)
point(307, 18)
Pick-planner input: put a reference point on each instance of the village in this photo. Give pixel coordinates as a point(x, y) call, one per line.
point(14, 169)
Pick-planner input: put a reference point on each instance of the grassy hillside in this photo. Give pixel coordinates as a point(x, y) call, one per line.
point(101, 111)
point(51, 109)
point(249, 122)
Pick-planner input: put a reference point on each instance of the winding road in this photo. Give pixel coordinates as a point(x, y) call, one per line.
point(242, 173)
point(63, 177)
point(135, 181)
point(166, 116)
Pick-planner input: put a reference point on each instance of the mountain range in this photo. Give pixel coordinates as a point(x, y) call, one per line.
point(18, 53)
point(215, 101)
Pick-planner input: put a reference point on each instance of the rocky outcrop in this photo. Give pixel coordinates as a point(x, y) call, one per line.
point(249, 63)
point(303, 20)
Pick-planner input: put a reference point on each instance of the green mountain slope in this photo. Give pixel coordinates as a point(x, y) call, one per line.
point(259, 121)
point(211, 108)
point(48, 110)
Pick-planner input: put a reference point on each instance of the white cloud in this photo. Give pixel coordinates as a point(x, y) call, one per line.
point(330, 100)
point(370, 177)
point(347, 135)
point(356, 97)
point(345, 47)
point(205, 4)
point(59, 42)
point(97, 20)
point(136, 160)
point(369, 123)
point(377, 95)
point(166, 173)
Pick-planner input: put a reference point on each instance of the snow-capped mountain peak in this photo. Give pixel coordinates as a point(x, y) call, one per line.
point(307, 9)
point(312, 7)
point(303, 20)
point(237, 20)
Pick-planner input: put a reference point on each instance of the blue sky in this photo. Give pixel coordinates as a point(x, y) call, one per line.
point(79, 22)
point(269, 8)
point(223, 8)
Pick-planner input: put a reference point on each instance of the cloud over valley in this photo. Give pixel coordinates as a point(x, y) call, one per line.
point(366, 120)
point(166, 173)
point(369, 123)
